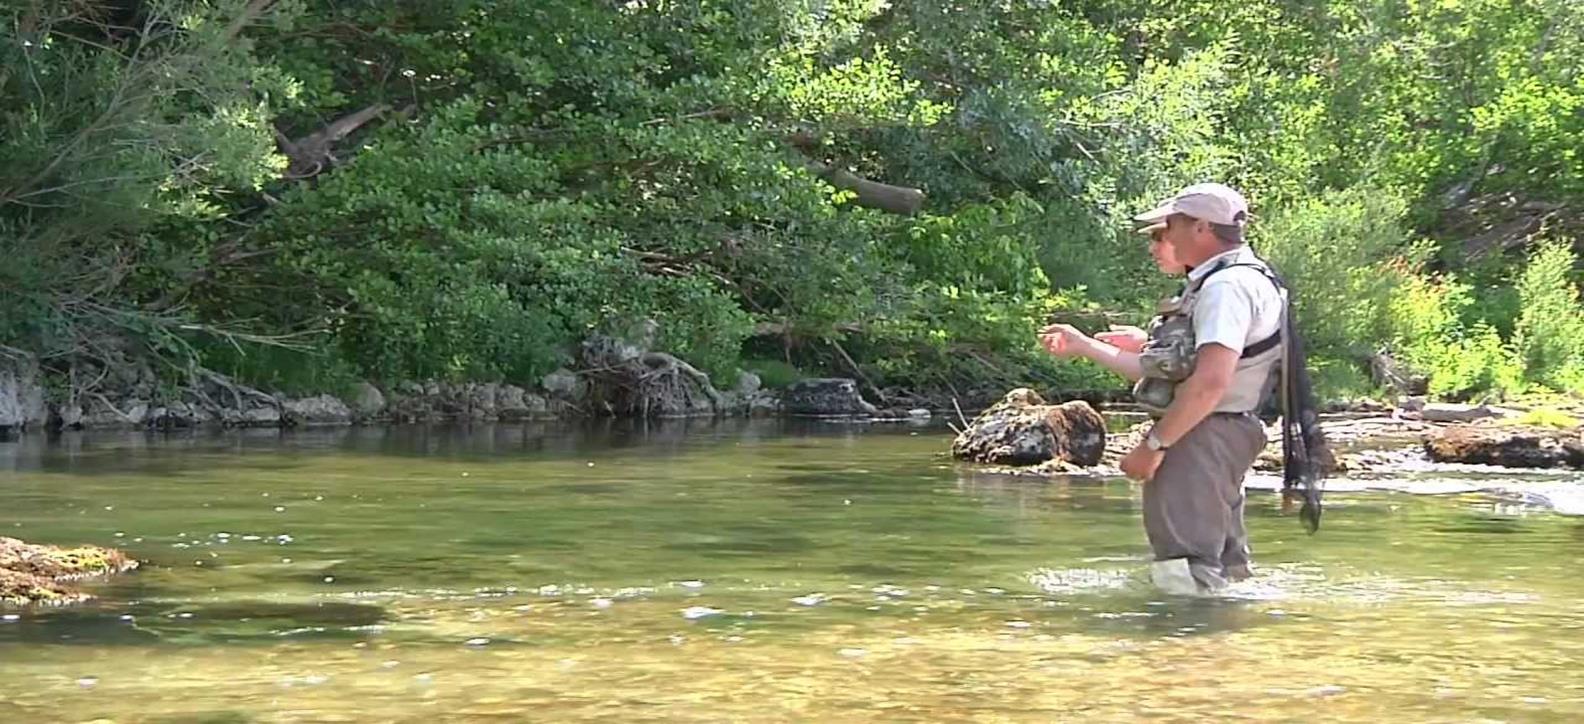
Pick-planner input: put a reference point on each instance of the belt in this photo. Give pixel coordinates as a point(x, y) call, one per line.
point(1219, 413)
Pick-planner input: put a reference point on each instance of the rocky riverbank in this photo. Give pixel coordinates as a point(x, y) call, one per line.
point(611, 378)
point(1374, 439)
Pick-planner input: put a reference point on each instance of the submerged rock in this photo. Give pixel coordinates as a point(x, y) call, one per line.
point(39, 574)
point(1022, 429)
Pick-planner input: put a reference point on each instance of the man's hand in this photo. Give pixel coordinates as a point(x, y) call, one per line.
point(1141, 462)
point(1125, 338)
point(1064, 340)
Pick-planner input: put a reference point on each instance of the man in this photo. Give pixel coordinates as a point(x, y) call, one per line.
point(1206, 437)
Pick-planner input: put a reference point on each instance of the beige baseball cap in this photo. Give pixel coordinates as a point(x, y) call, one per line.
point(1212, 202)
point(1152, 228)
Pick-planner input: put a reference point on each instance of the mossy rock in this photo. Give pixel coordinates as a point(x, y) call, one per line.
point(21, 588)
point(36, 573)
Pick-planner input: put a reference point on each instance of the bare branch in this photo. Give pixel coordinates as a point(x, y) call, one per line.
point(309, 153)
point(254, 9)
point(871, 194)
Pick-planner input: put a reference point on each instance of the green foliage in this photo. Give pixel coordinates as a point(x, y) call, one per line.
point(1549, 337)
point(773, 373)
point(1344, 253)
point(1479, 361)
point(540, 171)
point(1547, 417)
point(111, 138)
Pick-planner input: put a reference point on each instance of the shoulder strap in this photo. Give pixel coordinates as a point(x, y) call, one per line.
point(1268, 343)
point(1263, 269)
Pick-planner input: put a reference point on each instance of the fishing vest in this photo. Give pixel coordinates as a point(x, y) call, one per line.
point(1169, 353)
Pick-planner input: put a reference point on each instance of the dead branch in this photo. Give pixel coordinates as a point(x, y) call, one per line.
point(879, 396)
point(310, 154)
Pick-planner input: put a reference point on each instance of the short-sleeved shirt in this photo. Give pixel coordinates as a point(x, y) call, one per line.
point(1235, 308)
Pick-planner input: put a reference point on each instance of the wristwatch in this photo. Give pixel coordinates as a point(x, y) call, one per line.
point(1153, 442)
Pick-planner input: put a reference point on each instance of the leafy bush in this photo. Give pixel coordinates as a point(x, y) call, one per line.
point(1549, 337)
point(1344, 254)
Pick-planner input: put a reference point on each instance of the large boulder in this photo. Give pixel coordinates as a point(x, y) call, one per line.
point(825, 397)
point(1513, 447)
point(748, 383)
point(1022, 429)
point(367, 401)
point(11, 414)
point(316, 410)
point(514, 403)
point(21, 396)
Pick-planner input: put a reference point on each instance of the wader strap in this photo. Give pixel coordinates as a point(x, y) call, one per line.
point(1264, 345)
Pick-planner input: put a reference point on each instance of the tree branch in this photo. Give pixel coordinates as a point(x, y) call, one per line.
point(871, 194)
point(309, 153)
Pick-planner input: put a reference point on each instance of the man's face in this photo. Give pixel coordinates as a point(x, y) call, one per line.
point(1163, 254)
point(1179, 235)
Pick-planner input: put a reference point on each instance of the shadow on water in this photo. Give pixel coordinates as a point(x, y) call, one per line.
point(194, 623)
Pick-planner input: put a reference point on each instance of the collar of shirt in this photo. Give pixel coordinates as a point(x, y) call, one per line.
point(1204, 268)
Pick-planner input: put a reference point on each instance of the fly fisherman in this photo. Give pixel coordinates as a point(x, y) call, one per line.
point(1203, 369)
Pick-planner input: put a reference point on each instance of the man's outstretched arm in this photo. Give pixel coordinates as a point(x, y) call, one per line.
point(1064, 340)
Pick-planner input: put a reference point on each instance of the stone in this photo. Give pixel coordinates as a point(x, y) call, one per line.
point(257, 417)
point(563, 384)
point(481, 403)
point(102, 413)
point(316, 410)
point(136, 411)
point(12, 414)
point(1449, 412)
point(732, 403)
point(747, 383)
point(367, 400)
point(825, 397)
point(66, 415)
point(39, 574)
point(1022, 429)
point(763, 403)
point(515, 403)
point(1512, 447)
